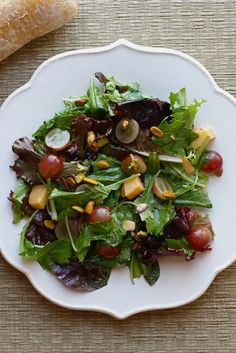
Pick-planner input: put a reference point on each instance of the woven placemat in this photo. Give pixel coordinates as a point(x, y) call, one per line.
point(31, 324)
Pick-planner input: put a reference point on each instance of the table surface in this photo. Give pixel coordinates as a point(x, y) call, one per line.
point(28, 322)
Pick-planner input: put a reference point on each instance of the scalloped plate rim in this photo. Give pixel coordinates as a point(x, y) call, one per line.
point(155, 50)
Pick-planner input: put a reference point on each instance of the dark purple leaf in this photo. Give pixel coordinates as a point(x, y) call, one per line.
point(26, 171)
point(26, 166)
point(24, 148)
point(151, 248)
point(82, 125)
point(25, 206)
point(85, 123)
point(179, 226)
point(165, 251)
point(37, 233)
point(82, 276)
point(143, 143)
point(184, 220)
point(101, 77)
point(147, 112)
point(151, 256)
point(115, 150)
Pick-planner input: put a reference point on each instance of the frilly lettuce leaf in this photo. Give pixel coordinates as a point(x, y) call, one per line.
point(178, 132)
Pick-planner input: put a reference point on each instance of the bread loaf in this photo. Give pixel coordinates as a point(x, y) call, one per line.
point(24, 20)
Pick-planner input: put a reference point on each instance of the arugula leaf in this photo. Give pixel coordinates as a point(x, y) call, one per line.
point(198, 179)
point(28, 249)
point(21, 189)
point(135, 266)
point(24, 243)
point(199, 152)
point(61, 120)
point(96, 105)
point(195, 197)
point(153, 163)
point(179, 186)
point(40, 148)
point(178, 132)
point(151, 273)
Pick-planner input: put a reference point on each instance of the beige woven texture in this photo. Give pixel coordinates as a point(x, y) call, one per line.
point(31, 324)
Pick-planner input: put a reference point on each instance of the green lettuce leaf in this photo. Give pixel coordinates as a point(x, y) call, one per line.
point(61, 120)
point(97, 104)
point(21, 190)
point(135, 266)
point(162, 214)
point(117, 92)
point(123, 258)
point(181, 244)
point(157, 214)
point(57, 252)
point(197, 197)
point(178, 132)
point(97, 193)
point(110, 232)
point(111, 175)
point(65, 199)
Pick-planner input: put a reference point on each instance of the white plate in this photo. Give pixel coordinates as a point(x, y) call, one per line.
point(159, 71)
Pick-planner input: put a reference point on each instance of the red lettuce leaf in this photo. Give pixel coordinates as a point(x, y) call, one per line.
point(37, 233)
point(85, 276)
point(116, 150)
point(26, 166)
point(141, 145)
point(147, 112)
point(101, 77)
point(152, 248)
point(82, 125)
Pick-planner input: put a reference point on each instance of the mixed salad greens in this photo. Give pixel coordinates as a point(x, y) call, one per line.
point(117, 178)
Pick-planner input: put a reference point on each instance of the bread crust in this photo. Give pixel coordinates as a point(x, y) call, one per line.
point(24, 20)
